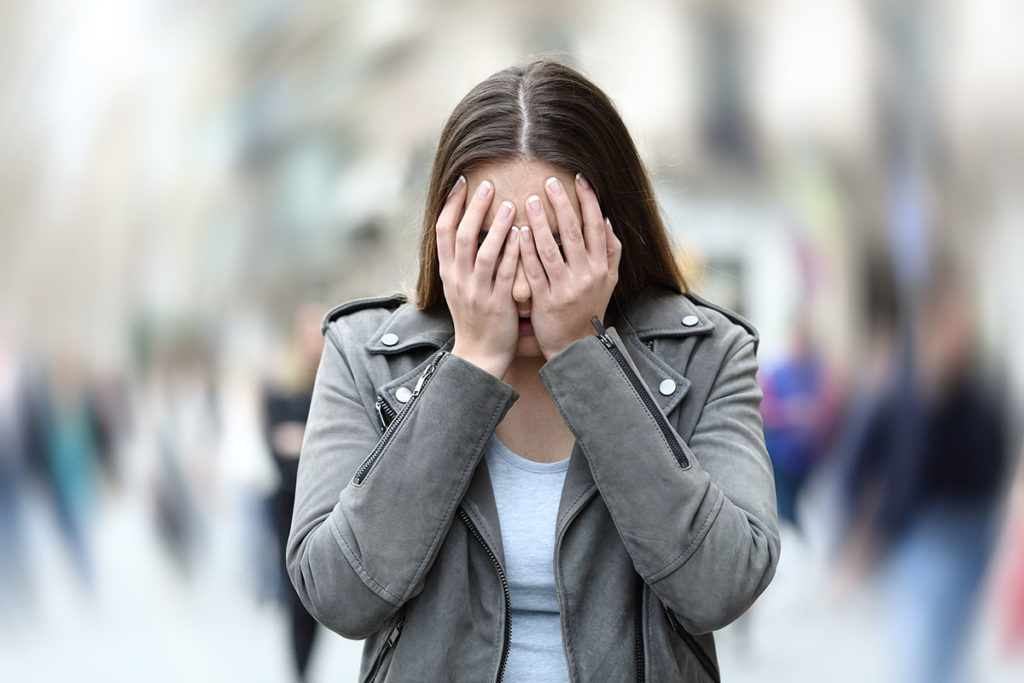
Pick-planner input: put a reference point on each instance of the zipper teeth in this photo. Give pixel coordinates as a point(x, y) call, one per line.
point(504, 586)
point(698, 651)
point(641, 391)
point(384, 412)
point(638, 620)
point(371, 459)
point(396, 631)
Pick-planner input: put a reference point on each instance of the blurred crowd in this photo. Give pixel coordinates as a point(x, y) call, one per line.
point(189, 188)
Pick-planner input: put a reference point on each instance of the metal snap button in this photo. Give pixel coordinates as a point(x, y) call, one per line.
point(691, 320)
point(667, 387)
point(389, 339)
point(403, 394)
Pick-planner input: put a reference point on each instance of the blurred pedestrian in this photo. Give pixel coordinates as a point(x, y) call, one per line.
point(285, 410)
point(925, 486)
point(799, 411)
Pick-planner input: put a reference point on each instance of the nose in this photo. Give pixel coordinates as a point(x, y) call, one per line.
point(520, 286)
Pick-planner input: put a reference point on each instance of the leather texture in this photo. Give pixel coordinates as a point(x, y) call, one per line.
point(399, 548)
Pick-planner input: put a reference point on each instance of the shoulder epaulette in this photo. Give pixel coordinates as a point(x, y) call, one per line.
point(731, 315)
point(390, 301)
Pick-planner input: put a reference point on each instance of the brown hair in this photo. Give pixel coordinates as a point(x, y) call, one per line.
point(545, 111)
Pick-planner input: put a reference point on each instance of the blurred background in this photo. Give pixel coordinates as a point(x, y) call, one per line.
point(187, 187)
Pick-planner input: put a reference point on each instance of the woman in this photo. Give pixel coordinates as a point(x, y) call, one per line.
point(551, 465)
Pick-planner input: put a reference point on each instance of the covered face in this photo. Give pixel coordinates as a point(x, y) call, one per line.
point(515, 181)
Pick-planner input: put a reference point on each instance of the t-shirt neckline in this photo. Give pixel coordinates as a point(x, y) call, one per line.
point(518, 461)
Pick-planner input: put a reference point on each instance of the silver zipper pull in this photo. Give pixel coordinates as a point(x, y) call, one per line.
point(602, 333)
point(394, 635)
point(427, 373)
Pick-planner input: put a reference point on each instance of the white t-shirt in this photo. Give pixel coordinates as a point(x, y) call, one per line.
point(527, 494)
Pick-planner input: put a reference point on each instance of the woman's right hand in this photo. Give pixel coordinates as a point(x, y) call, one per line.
point(478, 282)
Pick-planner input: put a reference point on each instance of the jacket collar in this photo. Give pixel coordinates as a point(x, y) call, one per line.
point(663, 314)
point(658, 331)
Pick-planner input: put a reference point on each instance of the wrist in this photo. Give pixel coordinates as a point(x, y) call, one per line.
point(489, 362)
point(567, 340)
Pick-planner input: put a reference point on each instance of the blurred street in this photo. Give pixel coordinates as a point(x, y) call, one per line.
point(144, 623)
point(188, 187)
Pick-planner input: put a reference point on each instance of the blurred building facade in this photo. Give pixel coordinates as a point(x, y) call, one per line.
point(180, 178)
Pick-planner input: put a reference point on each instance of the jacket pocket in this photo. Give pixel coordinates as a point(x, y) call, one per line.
point(386, 649)
point(705, 660)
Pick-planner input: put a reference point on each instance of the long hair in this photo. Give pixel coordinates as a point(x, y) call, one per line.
point(545, 111)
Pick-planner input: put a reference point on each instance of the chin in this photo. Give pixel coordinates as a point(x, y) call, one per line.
point(528, 348)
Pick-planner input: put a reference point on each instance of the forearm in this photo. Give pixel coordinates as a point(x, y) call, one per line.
point(697, 518)
point(371, 513)
point(393, 520)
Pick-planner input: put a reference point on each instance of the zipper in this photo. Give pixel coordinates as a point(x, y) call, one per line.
point(385, 412)
point(393, 426)
point(504, 585)
point(705, 661)
point(389, 644)
point(641, 391)
point(638, 629)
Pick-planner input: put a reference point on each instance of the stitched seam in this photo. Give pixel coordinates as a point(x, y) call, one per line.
point(572, 505)
point(361, 572)
point(687, 552)
point(479, 527)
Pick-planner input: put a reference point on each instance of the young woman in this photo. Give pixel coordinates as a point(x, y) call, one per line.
point(550, 465)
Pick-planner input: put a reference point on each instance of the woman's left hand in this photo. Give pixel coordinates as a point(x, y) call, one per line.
point(567, 292)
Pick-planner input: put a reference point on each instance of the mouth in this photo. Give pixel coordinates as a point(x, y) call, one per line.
point(525, 326)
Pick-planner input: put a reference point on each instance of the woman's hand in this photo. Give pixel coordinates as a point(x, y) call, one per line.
point(478, 283)
point(567, 291)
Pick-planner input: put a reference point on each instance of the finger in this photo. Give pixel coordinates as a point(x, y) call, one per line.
point(614, 250)
point(466, 236)
point(593, 219)
point(569, 228)
point(532, 266)
point(546, 247)
point(447, 222)
point(506, 273)
point(487, 255)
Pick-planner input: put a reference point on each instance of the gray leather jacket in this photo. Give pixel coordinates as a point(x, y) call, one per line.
point(667, 527)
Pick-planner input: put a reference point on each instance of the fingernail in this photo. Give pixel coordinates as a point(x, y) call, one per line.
point(485, 187)
point(608, 222)
point(524, 232)
point(506, 210)
point(554, 186)
point(534, 204)
point(513, 234)
point(457, 186)
point(582, 181)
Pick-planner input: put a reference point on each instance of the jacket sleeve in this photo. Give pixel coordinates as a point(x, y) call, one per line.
point(358, 550)
point(698, 518)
